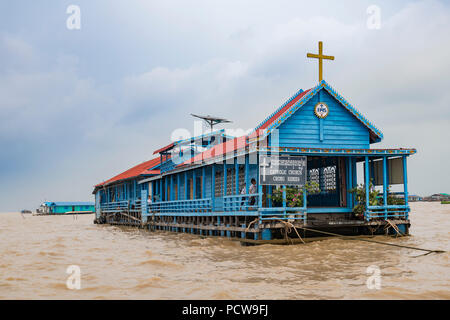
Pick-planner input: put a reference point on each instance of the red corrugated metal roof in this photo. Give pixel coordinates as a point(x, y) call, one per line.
point(218, 150)
point(280, 112)
point(153, 172)
point(164, 148)
point(143, 168)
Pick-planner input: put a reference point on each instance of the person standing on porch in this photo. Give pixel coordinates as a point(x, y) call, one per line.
point(149, 200)
point(252, 190)
point(243, 192)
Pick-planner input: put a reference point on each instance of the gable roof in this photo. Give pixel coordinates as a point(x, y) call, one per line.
point(145, 168)
point(301, 99)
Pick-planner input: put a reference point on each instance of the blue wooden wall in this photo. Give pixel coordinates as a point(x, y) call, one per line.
point(340, 128)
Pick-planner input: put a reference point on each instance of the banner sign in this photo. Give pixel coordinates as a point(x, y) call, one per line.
point(282, 170)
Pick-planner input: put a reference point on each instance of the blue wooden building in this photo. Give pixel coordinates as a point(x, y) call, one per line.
point(218, 185)
point(71, 207)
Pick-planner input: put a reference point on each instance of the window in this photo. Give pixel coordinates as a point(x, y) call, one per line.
point(329, 178)
point(219, 184)
point(314, 175)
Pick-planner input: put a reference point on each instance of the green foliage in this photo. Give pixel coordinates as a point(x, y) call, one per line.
point(391, 200)
point(294, 196)
point(375, 199)
point(359, 192)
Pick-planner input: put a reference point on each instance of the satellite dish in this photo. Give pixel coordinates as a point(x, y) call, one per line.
point(211, 121)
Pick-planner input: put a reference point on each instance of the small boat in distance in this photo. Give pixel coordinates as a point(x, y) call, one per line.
point(26, 211)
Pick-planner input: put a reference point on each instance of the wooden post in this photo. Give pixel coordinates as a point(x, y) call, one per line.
point(171, 196)
point(213, 186)
point(178, 187)
point(236, 174)
point(385, 186)
point(194, 184)
point(153, 190)
point(260, 189)
point(203, 182)
point(269, 199)
point(355, 174)
point(224, 178)
point(349, 181)
point(185, 186)
point(367, 180)
point(405, 182)
point(247, 182)
point(166, 189)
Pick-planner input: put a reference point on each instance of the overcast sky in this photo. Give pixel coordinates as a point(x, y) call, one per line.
point(79, 106)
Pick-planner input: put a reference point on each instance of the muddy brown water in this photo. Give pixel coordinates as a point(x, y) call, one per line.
point(129, 263)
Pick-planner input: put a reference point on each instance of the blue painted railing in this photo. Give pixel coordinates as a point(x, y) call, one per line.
point(241, 202)
point(387, 212)
point(196, 205)
point(129, 205)
point(115, 206)
point(283, 213)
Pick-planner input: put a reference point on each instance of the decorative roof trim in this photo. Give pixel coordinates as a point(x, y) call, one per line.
point(340, 151)
point(323, 85)
point(277, 110)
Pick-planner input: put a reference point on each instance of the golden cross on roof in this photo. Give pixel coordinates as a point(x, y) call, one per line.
point(320, 56)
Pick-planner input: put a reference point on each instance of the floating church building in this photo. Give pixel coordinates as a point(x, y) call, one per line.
point(295, 176)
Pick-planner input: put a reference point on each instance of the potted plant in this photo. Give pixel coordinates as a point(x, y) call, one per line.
point(294, 196)
point(359, 192)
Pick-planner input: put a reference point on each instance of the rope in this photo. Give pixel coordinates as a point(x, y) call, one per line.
point(287, 229)
point(249, 225)
point(394, 226)
point(373, 241)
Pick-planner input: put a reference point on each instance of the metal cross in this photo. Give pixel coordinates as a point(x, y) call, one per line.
point(320, 56)
point(264, 164)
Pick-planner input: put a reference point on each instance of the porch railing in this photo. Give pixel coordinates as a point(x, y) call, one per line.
point(115, 206)
point(196, 205)
point(241, 202)
point(387, 212)
point(128, 205)
point(283, 213)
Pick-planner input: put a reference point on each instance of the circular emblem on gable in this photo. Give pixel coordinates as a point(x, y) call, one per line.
point(321, 110)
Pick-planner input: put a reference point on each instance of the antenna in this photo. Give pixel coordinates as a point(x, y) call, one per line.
point(211, 121)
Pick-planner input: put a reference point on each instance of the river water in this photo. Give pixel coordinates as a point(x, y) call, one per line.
point(130, 263)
